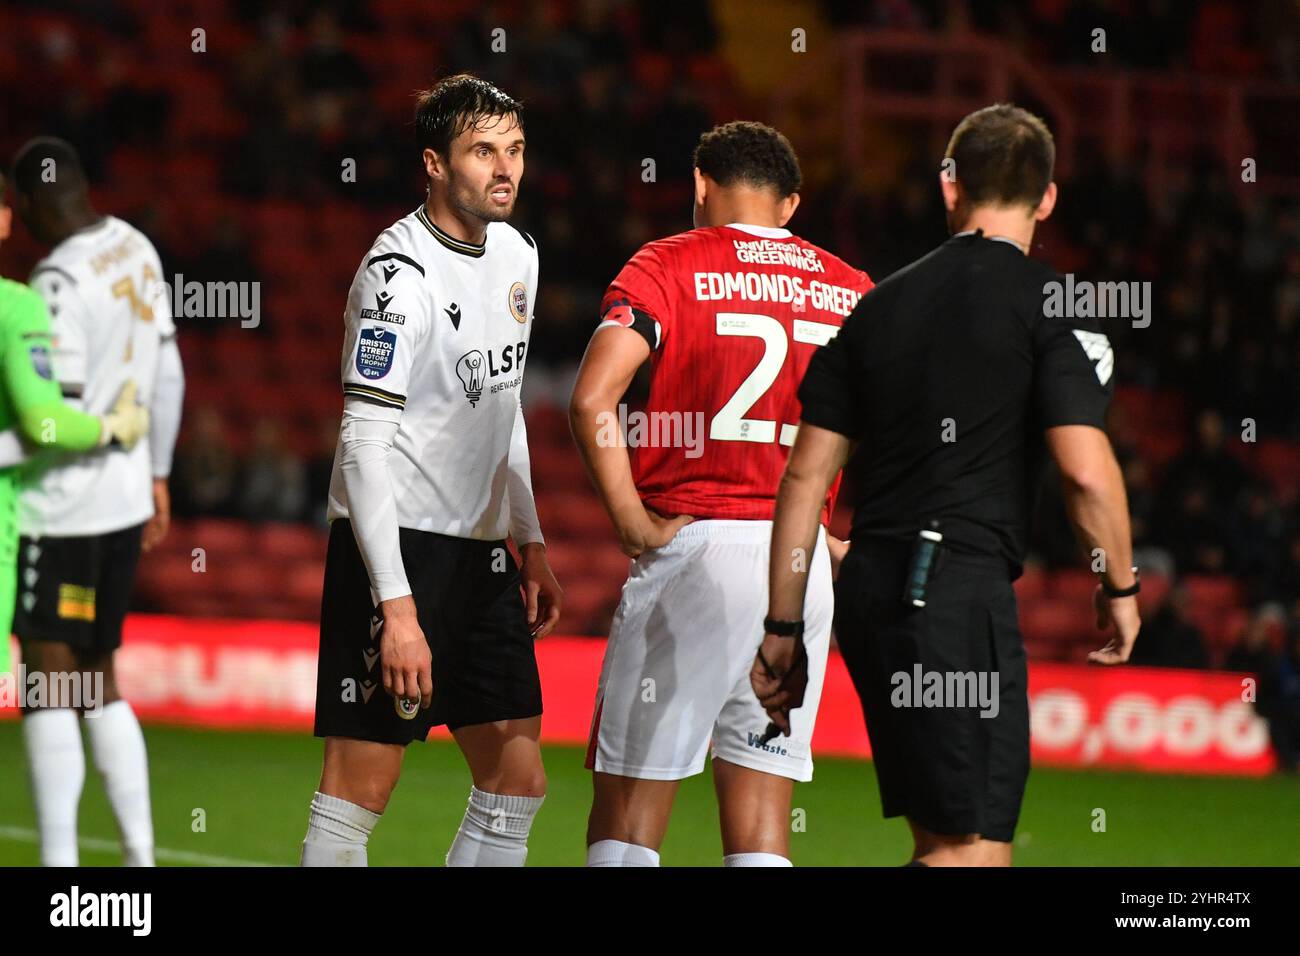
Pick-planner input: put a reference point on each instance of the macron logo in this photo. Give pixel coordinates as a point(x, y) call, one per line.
point(72, 909)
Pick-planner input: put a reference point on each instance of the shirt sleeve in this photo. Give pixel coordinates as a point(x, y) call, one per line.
point(386, 321)
point(68, 320)
point(639, 299)
point(830, 390)
point(524, 525)
point(1074, 367)
point(29, 382)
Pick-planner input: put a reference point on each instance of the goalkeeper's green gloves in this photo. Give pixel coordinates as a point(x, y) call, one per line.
point(126, 422)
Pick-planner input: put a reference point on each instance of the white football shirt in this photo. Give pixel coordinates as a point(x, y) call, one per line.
point(109, 313)
point(437, 329)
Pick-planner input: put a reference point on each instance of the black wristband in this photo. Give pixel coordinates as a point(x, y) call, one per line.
point(782, 628)
point(1129, 591)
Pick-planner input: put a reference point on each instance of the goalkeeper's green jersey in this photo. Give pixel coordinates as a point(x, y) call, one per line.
point(31, 403)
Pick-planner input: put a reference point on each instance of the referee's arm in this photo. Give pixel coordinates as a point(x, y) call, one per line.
point(828, 428)
point(1074, 367)
point(1097, 505)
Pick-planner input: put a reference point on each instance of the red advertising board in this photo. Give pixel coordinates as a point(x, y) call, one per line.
point(262, 674)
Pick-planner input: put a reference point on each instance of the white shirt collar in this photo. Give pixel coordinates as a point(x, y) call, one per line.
point(765, 232)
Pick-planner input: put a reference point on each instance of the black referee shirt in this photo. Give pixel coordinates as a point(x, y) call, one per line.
point(947, 374)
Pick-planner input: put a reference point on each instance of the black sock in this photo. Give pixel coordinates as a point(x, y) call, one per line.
point(917, 863)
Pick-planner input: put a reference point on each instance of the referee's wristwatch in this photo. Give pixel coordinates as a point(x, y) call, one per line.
point(1129, 591)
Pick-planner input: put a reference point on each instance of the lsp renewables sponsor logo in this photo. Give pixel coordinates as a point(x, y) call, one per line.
point(946, 689)
point(35, 690)
point(77, 909)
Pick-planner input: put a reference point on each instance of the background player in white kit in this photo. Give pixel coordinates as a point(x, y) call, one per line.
point(729, 315)
point(430, 475)
point(84, 519)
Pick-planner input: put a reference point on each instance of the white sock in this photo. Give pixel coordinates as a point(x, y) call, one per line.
point(618, 853)
point(57, 766)
point(117, 745)
point(494, 831)
point(755, 859)
point(337, 832)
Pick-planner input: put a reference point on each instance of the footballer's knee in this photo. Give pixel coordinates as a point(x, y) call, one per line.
point(361, 772)
point(527, 783)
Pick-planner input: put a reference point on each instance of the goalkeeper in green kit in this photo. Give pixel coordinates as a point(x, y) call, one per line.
point(33, 417)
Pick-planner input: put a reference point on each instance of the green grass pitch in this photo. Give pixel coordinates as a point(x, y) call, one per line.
point(253, 790)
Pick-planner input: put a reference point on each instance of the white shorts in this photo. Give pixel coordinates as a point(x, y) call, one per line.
point(676, 670)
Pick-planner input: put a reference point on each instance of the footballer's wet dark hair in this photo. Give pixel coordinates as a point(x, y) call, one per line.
point(457, 103)
point(1003, 156)
point(743, 153)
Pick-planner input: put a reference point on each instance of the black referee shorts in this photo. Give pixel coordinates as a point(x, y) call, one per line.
point(938, 761)
point(469, 607)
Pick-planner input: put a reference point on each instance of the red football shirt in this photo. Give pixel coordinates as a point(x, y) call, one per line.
point(733, 315)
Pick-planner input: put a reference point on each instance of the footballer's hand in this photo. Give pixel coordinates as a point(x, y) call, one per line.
point(406, 660)
point(780, 677)
point(155, 529)
point(543, 597)
point(652, 531)
point(1123, 614)
point(126, 422)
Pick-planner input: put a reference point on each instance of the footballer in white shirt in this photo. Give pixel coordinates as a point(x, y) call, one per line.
point(426, 619)
point(84, 518)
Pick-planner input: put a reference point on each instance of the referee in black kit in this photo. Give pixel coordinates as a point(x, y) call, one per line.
point(945, 387)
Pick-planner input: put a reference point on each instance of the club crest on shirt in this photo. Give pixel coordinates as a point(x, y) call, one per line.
point(519, 302)
point(41, 361)
point(375, 350)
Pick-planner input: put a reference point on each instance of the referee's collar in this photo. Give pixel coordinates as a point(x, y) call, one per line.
point(980, 234)
point(765, 232)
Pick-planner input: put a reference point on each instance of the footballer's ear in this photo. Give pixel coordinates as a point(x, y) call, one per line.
point(434, 167)
point(6, 222)
point(701, 187)
point(788, 205)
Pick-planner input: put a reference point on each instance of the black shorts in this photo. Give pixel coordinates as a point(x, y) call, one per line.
point(943, 766)
point(470, 608)
point(76, 590)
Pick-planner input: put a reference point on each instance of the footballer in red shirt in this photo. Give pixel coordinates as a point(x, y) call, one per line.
point(729, 315)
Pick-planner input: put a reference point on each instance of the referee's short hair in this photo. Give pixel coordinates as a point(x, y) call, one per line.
point(1003, 155)
point(749, 154)
point(455, 104)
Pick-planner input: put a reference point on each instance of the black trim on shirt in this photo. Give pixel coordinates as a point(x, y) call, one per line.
point(377, 395)
point(400, 258)
point(455, 245)
point(55, 269)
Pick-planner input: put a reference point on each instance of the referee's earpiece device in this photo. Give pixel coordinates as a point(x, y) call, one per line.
point(920, 569)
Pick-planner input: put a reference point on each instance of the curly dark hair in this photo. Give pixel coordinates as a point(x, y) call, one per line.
point(457, 103)
point(750, 154)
